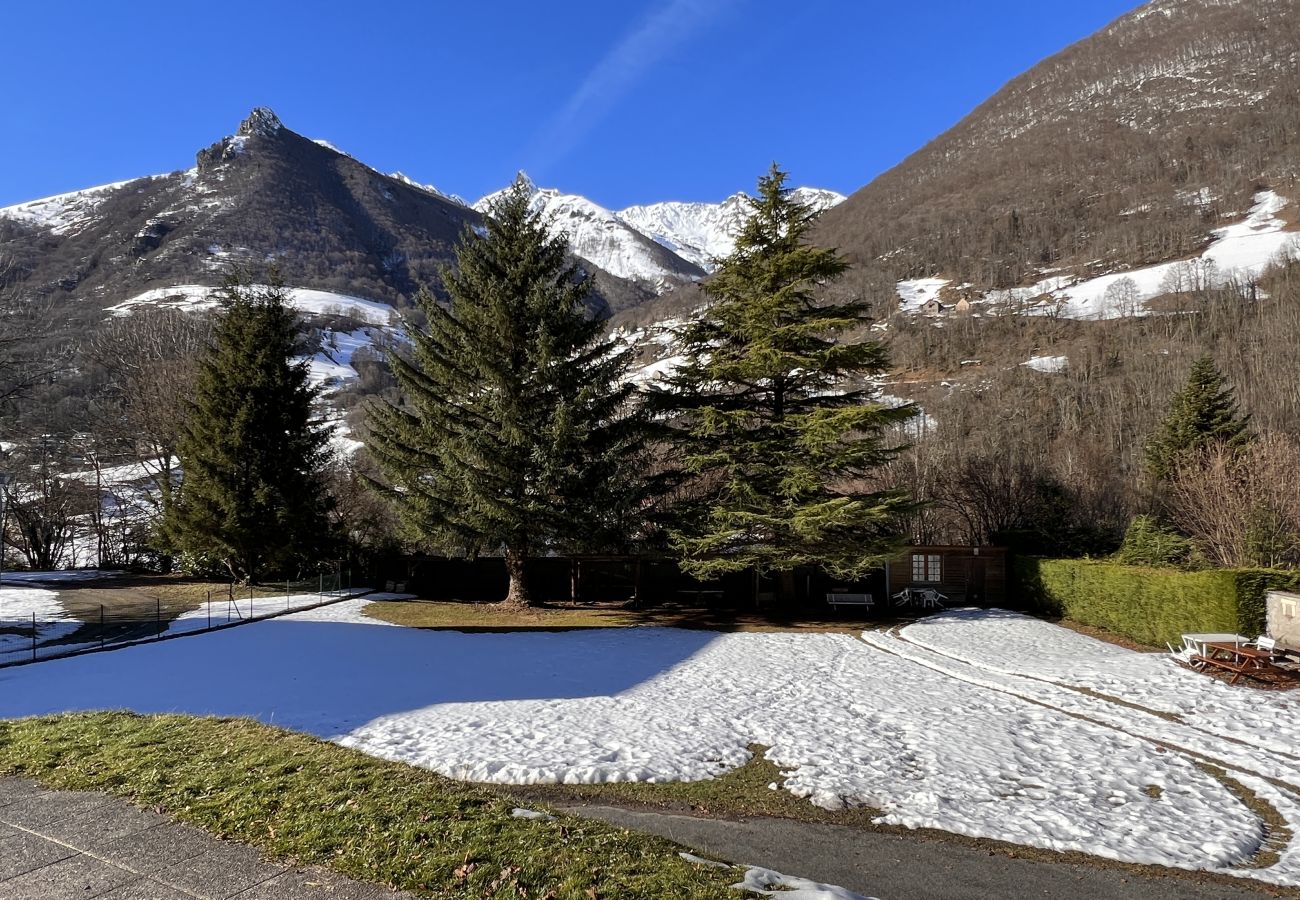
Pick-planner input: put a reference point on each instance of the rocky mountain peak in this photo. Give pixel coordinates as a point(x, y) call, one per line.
point(262, 122)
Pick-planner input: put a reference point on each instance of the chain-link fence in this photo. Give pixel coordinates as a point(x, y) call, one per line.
point(35, 625)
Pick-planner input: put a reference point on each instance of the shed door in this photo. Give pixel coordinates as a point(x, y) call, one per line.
point(975, 583)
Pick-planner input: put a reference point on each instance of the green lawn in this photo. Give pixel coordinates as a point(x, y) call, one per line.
point(494, 617)
point(299, 798)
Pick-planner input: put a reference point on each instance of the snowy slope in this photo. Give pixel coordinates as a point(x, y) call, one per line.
point(62, 213)
point(1238, 252)
point(702, 232)
point(598, 235)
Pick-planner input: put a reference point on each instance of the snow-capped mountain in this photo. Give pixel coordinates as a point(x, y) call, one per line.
point(600, 236)
point(262, 196)
point(703, 232)
point(660, 245)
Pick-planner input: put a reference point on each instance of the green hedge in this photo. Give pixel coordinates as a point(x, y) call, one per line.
point(1153, 606)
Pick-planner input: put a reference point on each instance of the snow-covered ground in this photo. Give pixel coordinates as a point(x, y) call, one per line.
point(20, 606)
point(898, 723)
point(914, 294)
point(28, 598)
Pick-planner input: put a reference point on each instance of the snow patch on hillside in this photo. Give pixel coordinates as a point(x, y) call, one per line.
point(63, 213)
point(305, 300)
point(1048, 364)
point(915, 294)
point(1239, 252)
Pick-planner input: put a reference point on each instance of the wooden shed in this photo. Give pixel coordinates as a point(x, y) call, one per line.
point(965, 575)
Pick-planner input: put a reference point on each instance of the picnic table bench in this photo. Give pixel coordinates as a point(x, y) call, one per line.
point(1235, 658)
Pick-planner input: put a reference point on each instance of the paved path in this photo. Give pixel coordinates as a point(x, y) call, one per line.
point(58, 845)
point(894, 867)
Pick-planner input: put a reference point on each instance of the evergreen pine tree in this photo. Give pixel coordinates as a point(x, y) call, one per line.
point(1203, 414)
point(517, 430)
point(252, 496)
point(782, 444)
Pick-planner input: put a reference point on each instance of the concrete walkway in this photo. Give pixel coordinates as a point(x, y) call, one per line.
point(896, 867)
point(57, 845)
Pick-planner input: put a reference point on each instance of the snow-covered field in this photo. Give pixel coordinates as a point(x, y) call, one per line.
point(19, 607)
point(32, 597)
point(931, 726)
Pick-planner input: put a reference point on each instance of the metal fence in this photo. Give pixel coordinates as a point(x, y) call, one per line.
point(53, 630)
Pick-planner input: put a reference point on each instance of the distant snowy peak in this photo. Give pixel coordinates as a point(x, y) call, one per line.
point(600, 236)
point(703, 232)
point(660, 243)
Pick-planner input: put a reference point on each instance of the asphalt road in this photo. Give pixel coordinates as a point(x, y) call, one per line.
point(894, 867)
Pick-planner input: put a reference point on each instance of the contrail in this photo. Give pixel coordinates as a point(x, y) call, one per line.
point(617, 71)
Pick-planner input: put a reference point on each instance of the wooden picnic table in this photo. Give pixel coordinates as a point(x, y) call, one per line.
point(1235, 658)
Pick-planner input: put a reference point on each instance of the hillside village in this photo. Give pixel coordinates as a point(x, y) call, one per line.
point(360, 540)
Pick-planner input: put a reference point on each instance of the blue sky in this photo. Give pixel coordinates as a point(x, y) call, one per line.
point(625, 102)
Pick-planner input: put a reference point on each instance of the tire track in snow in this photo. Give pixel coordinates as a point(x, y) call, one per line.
point(1276, 783)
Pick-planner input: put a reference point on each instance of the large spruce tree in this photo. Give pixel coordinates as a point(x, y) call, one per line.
point(773, 412)
point(516, 431)
point(252, 498)
point(1203, 414)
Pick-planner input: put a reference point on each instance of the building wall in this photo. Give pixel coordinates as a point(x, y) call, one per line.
point(1284, 618)
point(974, 575)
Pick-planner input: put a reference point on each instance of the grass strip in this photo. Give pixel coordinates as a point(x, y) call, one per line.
point(494, 617)
point(302, 799)
point(756, 789)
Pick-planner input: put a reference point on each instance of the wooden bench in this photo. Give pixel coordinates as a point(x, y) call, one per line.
point(836, 600)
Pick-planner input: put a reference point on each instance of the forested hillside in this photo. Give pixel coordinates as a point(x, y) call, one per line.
point(1125, 149)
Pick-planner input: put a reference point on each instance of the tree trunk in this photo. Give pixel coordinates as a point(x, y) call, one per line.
point(518, 595)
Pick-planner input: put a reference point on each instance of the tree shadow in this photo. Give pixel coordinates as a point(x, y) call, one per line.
point(328, 678)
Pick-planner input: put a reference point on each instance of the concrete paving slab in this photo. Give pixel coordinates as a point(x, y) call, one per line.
point(95, 826)
point(220, 872)
point(153, 850)
point(14, 789)
point(75, 878)
point(317, 884)
point(58, 845)
point(50, 806)
point(147, 889)
point(8, 831)
point(22, 852)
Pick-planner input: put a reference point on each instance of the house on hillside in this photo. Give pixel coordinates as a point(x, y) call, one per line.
point(963, 306)
point(933, 308)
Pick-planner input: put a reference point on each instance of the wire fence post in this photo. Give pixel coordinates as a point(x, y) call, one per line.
point(101, 625)
point(209, 610)
point(157, 617)
point(33, 637)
